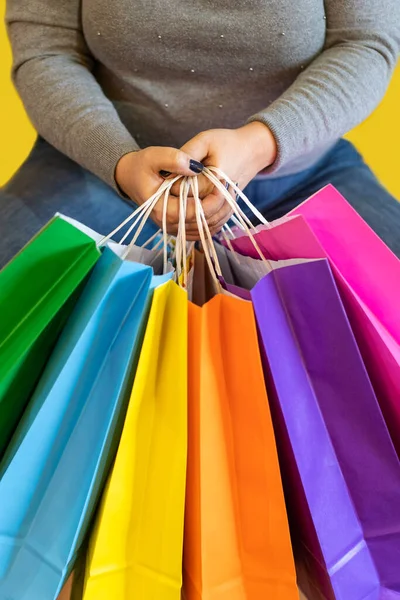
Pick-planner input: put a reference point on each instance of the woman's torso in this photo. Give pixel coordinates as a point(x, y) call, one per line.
point(175, 68)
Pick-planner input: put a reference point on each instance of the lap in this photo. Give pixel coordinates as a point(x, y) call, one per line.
point(49, 182)
point(361, 188)
point(373, 203)
point(344, 168)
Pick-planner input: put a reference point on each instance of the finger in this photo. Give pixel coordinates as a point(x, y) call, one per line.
point(172, 229)
point(173, 210)
point(215, 226)
point(212, 204)
point(174, 161)
point(211, 207)
point(193, 236)
point(205, 187)
point(221, 217)
point(190, 216)
point(198, 147)
point(175, 190)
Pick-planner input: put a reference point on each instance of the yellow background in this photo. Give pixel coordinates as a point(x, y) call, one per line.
point(377, 138)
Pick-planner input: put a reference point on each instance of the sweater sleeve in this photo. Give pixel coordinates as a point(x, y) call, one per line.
point(52, 72)
point(343, 85)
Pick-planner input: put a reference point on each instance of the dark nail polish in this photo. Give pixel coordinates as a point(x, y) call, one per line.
point(165, 173)
point(196, 166)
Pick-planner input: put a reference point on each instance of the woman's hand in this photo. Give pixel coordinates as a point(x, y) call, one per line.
point(240, 153)
point(138, 176)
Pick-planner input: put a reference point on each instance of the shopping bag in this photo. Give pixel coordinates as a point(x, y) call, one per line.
point(136, 546)
point(368, 277)
point(203, 286)
point(236, 543)
point(73, 588)
point(371, 269)
point(339, 466)
point(56, 465)
point(38, 289)
point(153, 257)
point(66, 592)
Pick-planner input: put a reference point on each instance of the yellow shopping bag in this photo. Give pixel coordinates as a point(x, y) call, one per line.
point(136, 547)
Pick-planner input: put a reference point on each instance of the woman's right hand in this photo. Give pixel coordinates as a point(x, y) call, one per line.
point(138, 176)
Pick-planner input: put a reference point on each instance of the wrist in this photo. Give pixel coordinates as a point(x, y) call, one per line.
point(123, 171)
point(262, 143)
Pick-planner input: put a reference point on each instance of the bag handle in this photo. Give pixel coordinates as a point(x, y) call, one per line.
point(142, 214)
point(239, 193)
point(181, 255)
point(205, 236)
point(238, 213)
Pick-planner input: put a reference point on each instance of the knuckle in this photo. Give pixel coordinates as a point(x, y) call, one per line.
point(178, 158)
point(213, 221)
point(172, 218)
point(211, 211)
point(146, 152)
point(202, 136)
point(156, 214)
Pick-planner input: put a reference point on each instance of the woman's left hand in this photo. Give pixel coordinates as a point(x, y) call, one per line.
point(240, 153)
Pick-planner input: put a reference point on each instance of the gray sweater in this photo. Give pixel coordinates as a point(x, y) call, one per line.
point(100, 78)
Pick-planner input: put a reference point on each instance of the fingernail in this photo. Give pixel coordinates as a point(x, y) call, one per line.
point(196, 166)
point(227, 185)
point(165, 173)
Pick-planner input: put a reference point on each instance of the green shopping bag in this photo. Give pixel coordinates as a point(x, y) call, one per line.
point(38, 290)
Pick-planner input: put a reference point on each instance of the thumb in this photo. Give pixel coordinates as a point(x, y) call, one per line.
point(199, 146)
point(177, 162)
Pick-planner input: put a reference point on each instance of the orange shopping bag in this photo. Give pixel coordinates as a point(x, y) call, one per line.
point(237, 544)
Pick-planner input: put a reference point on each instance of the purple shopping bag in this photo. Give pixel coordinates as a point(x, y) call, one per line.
point(368, 277)
point(340, 468)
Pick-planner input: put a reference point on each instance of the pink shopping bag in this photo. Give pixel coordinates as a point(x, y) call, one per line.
point(369, 267)
point(368, 276)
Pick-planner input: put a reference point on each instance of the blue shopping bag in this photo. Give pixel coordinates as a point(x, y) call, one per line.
point(55, 468)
